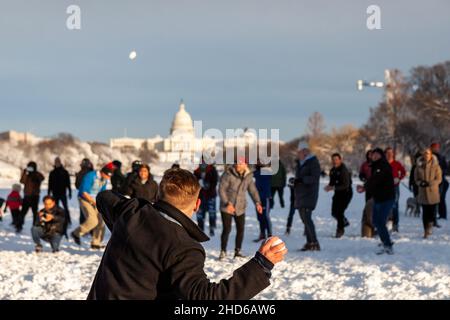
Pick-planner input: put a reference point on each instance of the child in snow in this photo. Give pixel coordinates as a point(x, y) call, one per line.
point(14, 203)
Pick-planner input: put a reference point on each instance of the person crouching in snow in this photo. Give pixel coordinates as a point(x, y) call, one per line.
point(234, 185)
point(50, 225)
point(155, 253)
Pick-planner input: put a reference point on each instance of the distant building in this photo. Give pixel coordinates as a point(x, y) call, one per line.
point(19, 137)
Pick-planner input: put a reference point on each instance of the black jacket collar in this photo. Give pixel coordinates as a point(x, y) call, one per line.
point(191, 228)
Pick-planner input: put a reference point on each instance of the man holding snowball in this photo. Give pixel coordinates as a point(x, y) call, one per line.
point(155, 253)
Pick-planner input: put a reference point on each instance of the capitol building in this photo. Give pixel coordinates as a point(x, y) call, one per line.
point(182, 144)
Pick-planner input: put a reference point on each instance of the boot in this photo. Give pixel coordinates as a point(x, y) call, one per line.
point(428, 230)
point(38, 248)
point(288, 231)
point(307, 247)
point(238, 254)
point(316, 246)
point(75, 238)
point(211, 232)
point(222, 254)
point(346, 223)
point(339, 233)
point(98, 246)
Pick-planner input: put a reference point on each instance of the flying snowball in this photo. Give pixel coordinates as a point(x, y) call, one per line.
point(133, 55)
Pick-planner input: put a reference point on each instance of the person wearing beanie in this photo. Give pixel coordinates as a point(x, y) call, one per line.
point(117, 179)
point(382, 188)
point(93, 183)
point(306, 186)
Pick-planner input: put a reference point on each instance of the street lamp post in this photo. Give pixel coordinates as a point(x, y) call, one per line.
point(388, 83)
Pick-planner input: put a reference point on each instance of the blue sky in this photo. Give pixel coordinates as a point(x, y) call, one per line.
point(236, 63)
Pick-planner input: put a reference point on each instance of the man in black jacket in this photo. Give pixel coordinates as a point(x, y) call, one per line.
point(59, 187)
point(49, 226)
point(381, 187)
point(341, 183)
point(155, 251)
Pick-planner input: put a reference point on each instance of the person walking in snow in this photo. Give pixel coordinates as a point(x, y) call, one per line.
point(263, 176)
point(143, 186)
point(290, 219)
point(59, 187)
point(49, 226)
point(382, 188)
point(278, 183)
point(32, 180)
point(92, 183)
point(443, 187)
point(235, 182)
point(208, 177)
point(155, 253)
point(307, 179)
point(399, 172)
point(341, 184)
point(428, 176)
point(14, 203)
point(85, 167)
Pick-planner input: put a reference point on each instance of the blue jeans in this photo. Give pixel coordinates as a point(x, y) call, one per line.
point(381, 212)
point(395, 216)
point(207, 206)
point(264, 219)
point(37, 232)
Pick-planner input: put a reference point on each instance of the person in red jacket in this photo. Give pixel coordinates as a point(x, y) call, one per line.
point(398, 172)
point(14, 202)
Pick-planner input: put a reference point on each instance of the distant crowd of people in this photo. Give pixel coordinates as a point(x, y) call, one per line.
point(380, 173)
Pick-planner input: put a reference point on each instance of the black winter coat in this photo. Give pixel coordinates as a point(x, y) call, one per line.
point(307, 179)
point(147, 191)
point(59, 182)
point(341, 179)
point(381, 183)
point(155, 253)
point(54, 226)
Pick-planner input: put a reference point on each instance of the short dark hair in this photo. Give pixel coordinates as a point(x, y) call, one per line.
point(48, 197)
point(144, 166)
point(179, 187)
point(336, 155)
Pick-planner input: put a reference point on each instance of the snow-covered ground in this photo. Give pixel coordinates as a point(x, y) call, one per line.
point(346, 268)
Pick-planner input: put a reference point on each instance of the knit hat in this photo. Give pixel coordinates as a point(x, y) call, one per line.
point(108, 169)
point(303, 145)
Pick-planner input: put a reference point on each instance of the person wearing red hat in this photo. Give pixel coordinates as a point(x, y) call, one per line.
point(93, 183)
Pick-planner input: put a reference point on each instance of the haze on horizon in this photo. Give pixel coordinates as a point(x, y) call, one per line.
point(258, 64)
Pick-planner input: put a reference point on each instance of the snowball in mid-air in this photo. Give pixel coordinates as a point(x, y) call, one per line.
point(133, 55)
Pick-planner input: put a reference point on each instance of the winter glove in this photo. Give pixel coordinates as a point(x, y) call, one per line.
point(424, 184)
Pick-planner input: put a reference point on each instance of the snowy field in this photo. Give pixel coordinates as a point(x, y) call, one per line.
point(346, 268)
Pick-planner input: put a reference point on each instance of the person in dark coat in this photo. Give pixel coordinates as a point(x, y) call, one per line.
point(85, 167)
point(382, 188)
point(32, 180)
point(155, 253)
point(263, 177)
point(117, 179)
point(341, 184)
point(208, 177)
point(131, 177)
point(307, 179)
point(143, 187)
point(291, 184)
point(50, 225)
point(278, 183)
point(413, 186)
point(443, 187)
point(59, 187)
point(365, 171)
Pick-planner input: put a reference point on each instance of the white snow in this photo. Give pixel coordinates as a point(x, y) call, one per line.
point(346, 268)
